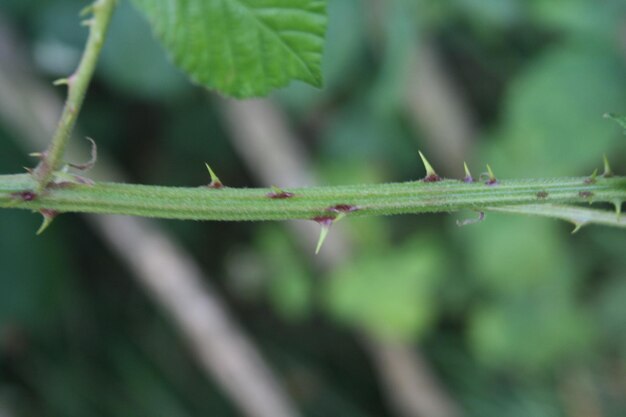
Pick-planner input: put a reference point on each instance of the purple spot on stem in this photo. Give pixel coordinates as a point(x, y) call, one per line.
point(542, 194)
point(431, 178)
point(216, 185)
point(343, 208)
point(25, 195)
point(491, 181)
point(49, 213)
point(468, 179)
point(324, 220)
point(585, 194)
point(590, 180)
point(280, 195)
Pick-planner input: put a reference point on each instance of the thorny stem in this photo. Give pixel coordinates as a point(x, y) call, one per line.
point(77, 83)
point(322, 204)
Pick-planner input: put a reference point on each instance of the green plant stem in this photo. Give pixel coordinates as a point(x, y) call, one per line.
point(77, 85)
point(579, 216)
point(204, 203)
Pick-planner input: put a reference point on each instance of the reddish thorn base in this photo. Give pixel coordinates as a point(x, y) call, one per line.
point(25, 195)
point(324, 220)
point(48, 213)
point(280, 195)
point(431, 178)
point(342, 208)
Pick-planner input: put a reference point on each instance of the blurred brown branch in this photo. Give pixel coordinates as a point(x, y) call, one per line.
point(438, 108)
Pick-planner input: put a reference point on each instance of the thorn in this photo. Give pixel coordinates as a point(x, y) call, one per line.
point(431, 175)
point(215, 181)
point(607, 168)
point(618, 208)
point(278, 193)
point(86, 10)
point(340, 216)
point(38, 155)
point(61, 81)
point(592, 178)
point(468, 174)
point(64, 81)
point(491, 180)
point(342, 209)
point(325, 222)
point(577, 226)
point(323, 233)
point(481, 217)
point(621, 120)
point(48, 216)
point(92, 161)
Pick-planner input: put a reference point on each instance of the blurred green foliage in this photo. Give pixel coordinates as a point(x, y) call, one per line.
point(519, 317)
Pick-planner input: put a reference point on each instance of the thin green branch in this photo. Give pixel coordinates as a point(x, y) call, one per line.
point(323, 204)
point(77, 84)
point(579, 216)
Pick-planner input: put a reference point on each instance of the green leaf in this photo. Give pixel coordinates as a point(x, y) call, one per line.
point(242, 48)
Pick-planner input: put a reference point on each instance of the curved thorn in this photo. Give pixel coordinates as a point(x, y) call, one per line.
point(618, 208)
point(48, 217)
point(92, 161)
point(577, 226)
point(621, 120)
point(466, 222)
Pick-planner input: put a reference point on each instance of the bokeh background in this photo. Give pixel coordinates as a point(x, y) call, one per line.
point(403, 316)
